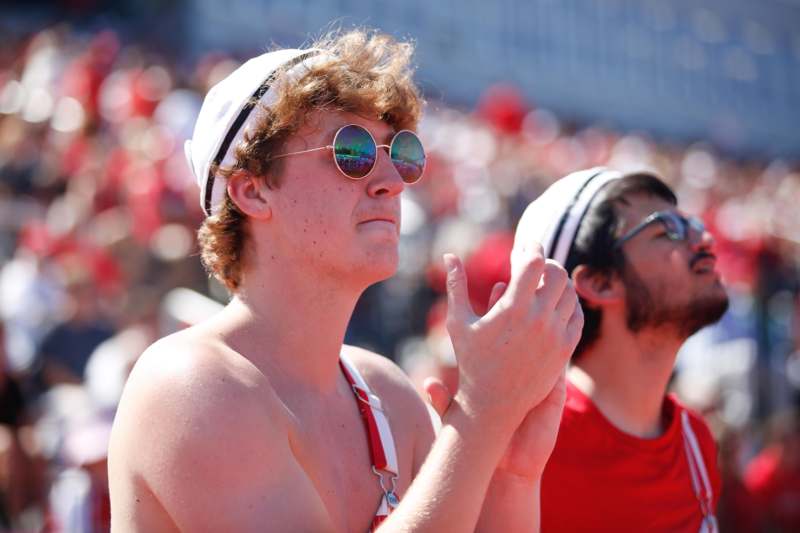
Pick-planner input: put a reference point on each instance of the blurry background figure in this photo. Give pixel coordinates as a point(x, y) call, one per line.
point(78, 499)
point(66, 349)
point(20, 480)
point(181, 308)
point(431, 355)
point(738, 510)
point(28, 299)
point(110, 364)
point(773, 476)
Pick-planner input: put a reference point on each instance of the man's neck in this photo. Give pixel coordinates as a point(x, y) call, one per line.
point(291, 325)
point(626, 377)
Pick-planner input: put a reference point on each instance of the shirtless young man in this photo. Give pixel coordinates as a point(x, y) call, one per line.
point(250, 421)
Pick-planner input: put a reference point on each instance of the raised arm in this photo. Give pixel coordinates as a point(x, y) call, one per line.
point(511, 360)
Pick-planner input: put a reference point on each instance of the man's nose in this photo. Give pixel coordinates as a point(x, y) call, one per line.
point(385, 180)
point(701, 239)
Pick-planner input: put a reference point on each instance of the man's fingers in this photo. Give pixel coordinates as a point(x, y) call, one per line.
point(566, 304)
point(458, 306)
point(575, 324)
point(558, 393)
point(527, 265)
point(438, 395)
point(497, 291)
point(554, 281)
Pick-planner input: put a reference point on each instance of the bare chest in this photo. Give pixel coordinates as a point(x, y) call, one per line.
point(330, 442)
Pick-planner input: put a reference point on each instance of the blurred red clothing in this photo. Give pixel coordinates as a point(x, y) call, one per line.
point(487, 265)
point(84, 76)
point(738, 510)
point(776, 487)
point(503, 106)
point(601, 479)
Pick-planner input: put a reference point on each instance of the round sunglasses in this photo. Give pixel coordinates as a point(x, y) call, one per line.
point(355, 153)
point(676, 226)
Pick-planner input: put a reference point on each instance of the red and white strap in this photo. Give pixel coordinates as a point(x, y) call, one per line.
point(379, 436)
point(700, 482)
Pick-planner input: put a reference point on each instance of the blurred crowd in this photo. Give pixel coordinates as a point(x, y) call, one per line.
point(98, 213)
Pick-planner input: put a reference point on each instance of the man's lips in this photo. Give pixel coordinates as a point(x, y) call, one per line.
point(380, 217)
point(703, 263)
point(386, 221)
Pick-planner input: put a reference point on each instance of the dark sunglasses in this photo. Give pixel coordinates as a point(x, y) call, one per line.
point(355, 153)
point(676, 226)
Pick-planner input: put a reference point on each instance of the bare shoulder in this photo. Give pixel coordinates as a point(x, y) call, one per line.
point(178, 406)
point(196, 416)
point(383, 375)
point(197, 383)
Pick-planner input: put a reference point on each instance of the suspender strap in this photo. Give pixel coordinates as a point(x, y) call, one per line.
point(379, 436)
point(700, 482)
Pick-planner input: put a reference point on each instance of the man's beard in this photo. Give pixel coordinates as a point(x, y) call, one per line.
point(648, 310)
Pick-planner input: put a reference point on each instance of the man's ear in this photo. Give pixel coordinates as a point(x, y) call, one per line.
point(596, 288)
point(250, 194)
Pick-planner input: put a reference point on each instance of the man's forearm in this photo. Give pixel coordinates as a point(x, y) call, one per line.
point(449, 490)
point(511, 504)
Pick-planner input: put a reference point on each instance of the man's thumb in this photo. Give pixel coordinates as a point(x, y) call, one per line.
point(438, 395)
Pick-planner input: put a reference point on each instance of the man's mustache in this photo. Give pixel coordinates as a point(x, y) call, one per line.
point(699, 257)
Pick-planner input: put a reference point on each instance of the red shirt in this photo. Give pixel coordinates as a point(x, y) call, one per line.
point(601, 479)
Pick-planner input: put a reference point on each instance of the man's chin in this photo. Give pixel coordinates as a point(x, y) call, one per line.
point(384, 276)
point(688, 320)
point(706, 312)
point(381, 270)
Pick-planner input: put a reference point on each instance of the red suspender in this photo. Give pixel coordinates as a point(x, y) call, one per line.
point(379, 435)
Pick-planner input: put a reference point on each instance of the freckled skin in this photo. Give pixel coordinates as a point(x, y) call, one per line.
point(331, 205)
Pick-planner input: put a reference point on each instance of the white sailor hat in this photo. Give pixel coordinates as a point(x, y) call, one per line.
point(229, 110)
point(554, 218)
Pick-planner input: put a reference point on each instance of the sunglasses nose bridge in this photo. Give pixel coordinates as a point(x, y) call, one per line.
point(383, 151)
point(698, 235)
point(386, 150)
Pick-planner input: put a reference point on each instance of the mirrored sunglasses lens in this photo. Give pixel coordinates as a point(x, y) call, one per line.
point(697, 225)
point(676, 228)
point(408, 156)
point(354, 151)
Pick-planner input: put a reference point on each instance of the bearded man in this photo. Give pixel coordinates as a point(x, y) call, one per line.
point(628, 456)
